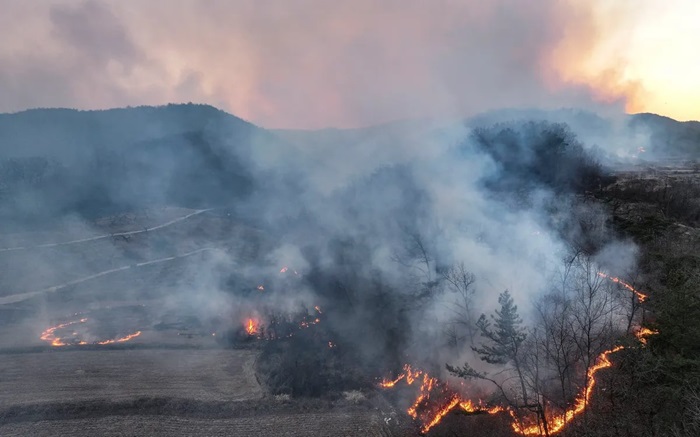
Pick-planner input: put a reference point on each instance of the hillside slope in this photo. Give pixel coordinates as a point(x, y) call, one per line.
point(57, 161)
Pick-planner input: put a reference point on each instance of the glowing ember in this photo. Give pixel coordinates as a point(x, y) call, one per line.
point(261, 288)
point(284, 270)
point(306, 323)
point(318, 309)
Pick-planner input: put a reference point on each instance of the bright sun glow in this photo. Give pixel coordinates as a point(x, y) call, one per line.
point(643, 51)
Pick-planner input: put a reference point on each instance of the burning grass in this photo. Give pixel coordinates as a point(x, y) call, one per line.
point(435, 399)
point(74, 338)
point(99, 327)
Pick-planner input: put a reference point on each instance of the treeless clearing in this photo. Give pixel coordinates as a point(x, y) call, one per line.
point(288, 425)
point(74, 376)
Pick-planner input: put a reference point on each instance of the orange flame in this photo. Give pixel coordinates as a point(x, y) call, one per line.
point(641, 296)
point(431, 392)
point(555, 424)
point(121, 340)
point(49, 335)
point(252, 326)
point(440, 414)
point(643, 333)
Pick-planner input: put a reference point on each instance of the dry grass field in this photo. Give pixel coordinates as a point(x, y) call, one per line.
point(60, 376)
point(156, 392)
point(287, 425)
point(163, 392)
point(172, 380)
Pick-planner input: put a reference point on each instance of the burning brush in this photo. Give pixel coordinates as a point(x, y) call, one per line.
point(50, 335)
point(435, 399)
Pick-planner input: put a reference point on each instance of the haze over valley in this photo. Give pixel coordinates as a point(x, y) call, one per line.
point(382, 219)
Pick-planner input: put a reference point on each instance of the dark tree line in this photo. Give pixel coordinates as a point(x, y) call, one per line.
point(538, 155)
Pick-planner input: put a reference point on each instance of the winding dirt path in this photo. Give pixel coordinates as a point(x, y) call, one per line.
point(19, 297)
point(101, 237)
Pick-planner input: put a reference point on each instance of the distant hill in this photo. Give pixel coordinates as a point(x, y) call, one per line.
point(65, 161)
point(668, 136)
point(55, 161)
point(661, 137)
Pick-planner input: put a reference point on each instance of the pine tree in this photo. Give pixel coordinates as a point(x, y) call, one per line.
point(504, 341)
point(502, 344)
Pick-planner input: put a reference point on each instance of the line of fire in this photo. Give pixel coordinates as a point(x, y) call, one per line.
point(432, 399)
point(435, 399)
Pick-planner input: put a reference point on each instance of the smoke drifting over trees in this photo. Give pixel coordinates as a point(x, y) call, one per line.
point(401, 235)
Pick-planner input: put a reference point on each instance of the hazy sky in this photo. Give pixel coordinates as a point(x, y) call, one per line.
point(314, 63)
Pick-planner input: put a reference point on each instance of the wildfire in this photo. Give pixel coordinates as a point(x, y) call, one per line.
point(435, 398)
point(121, 340)
point(556, 424)
point(261, 288)
point(447, 399)
point(252, 326)
point(49, 335)
point(643, 333)
point(641, 296)
point(470, 407)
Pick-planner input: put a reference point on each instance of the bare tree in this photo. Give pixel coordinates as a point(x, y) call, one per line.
point(460, 281)
point(555, 339)
point(420, 262)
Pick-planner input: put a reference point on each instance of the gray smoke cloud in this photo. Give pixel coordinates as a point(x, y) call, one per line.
point(302, 63)
point(369, 218)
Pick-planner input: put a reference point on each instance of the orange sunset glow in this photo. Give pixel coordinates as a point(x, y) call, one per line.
point(314, 64)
